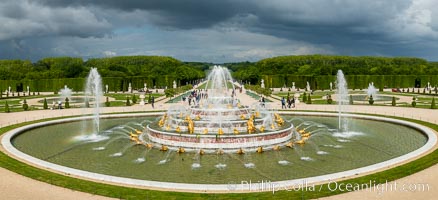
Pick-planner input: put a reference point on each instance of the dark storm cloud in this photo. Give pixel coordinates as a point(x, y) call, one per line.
point(182, 14)
point(361, 27)
point(321, 21)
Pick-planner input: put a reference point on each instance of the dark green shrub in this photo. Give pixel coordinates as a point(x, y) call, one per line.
point(309, 99)
point(128, 103)
point(371, 100)
point(25, 106)
point(45, 106)
point(7, 107)
point(67, 102)
point(134, 99)
point(107, 103)
point(414, 102)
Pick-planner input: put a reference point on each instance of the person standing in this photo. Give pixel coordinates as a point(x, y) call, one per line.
point(293, 102)
point(263, 101)
point(283, 103)
point(152, 101)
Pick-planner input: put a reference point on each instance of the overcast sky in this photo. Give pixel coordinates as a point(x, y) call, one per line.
point(217, 30)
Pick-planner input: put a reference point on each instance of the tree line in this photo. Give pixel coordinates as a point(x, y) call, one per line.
point(49, 73)
point(152, 67)
point(326, 65)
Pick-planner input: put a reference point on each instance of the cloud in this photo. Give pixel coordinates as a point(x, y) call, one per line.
point(109, 53)
point(21, 19)
point(215, 30)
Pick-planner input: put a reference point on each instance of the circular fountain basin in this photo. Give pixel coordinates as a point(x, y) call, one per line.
point(374, 143)
point(71, 99)
point(364, 97)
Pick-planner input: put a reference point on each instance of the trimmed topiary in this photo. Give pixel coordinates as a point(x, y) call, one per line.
point(67, 103)
point(393, 103)
point(134, 99)
point(371, 100)
point(107, 103)
point(414, 102)
point(351, 100)
point(45, 106)
point(433, 105)
point(25, 106)
point(309, 99)
point(7, 107)
point(304, 97)
point(128, 103)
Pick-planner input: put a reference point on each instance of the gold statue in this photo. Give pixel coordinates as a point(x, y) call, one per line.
point(242, 116)
point(220, 152)
point(205, 131)
point(197, 117)
point(262, 128)
point(272, 126)
point(235, 131)
point(257, 114)
point(278, 119)
point(181, 150)
point(290, 144)
point(190, 124)
point(201, 152)
point(178, 129)
point(250, 125)
point(220, 131)
point(276, 148)
point(162, 120)
point(302, 141)
point(164, 148)
point(240, 151)
point(305, 135)
point(259, 150)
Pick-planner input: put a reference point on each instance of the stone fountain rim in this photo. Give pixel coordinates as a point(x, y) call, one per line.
point(171, 186)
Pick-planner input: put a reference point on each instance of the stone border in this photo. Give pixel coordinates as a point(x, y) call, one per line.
point(431, 142)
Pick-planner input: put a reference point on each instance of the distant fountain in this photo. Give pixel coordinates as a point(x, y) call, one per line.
point(372, 90)
point(174, 84)
point(65, 93)
point(93, 89)
point(262, 83)
point(343, 101)
point(308, 86)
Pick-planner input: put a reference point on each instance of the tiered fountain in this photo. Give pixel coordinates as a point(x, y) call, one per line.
point(219, 123)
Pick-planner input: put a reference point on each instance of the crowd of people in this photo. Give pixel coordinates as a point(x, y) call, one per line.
point(290, 101)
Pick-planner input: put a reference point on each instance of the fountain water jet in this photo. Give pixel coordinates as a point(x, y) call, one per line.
point(65, 93)
point(372, 91)
point(93, 88)
point(343, 101)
